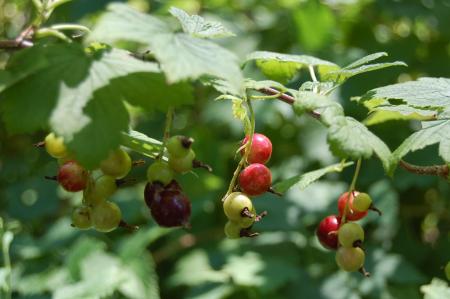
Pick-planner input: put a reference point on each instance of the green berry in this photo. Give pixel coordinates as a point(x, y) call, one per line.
point(362, 202)
point(102, 188)
point(161, 172)
point(350, 259)
point(246, 222)
point(81, 217)
point(232, 230)
point(106, 216)
point(55, 146)
point(349, 233)
point(234, 204)
point(184, 164)
point(117, 164)
point(179, 146)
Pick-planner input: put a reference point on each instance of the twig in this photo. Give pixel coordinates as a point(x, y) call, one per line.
point(21, 41)
point(436, 170)
point(285, 98)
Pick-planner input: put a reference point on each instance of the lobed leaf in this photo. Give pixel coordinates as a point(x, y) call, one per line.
point(198, 26)
point(427, 98)
point(81, 95)
point(437, 289)
point(283, 67)
point(181, 56)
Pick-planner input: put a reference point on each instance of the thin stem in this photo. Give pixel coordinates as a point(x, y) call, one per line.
point(285, 98)
point(312, 73)
point(45, 32)
point(169, 119)
point(70, 27)
point(351, 189)
point(248, 146)
point(436, 170)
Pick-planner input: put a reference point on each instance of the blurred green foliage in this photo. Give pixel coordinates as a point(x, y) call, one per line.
point(407, 246)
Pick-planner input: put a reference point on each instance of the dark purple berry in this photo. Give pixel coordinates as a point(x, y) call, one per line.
point(171, 208)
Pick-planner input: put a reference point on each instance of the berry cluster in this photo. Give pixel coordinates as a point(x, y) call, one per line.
point(163, 195)
point(255, 179)
point(97, 186)
point(337, 233)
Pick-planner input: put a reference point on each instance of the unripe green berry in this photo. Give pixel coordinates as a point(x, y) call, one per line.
point(234, 204)
point(350, 259)
point(106, 216)
point(117, 164)
point(81, 217)
point(362, 202)
point(349, 233)
point(160, 171)
point(183, 164)
point(232, 230)
point(178, 146)
point(55, 146)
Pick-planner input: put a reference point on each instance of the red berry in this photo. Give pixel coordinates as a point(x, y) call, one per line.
point(351, 213)
point(72, 176)
point(327, 232)
point(171, 208)
point(261, 149)
point(255, 179)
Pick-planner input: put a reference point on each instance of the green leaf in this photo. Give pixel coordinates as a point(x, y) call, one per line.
point(432, 132)
point(141, 143)
point(252, 84)
point(82, 248)
point(283, 67)
point(198, 26)
point(45, 281)
point(425, 98)
point(304, 180)
point(81, 95)
point(343, 75)
point(351, 139)
point(180, 55)
point(330, 111)
point(101, 275)
point(194, 269)
point(437, 289)
point(400, 112)
point(365, 60)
